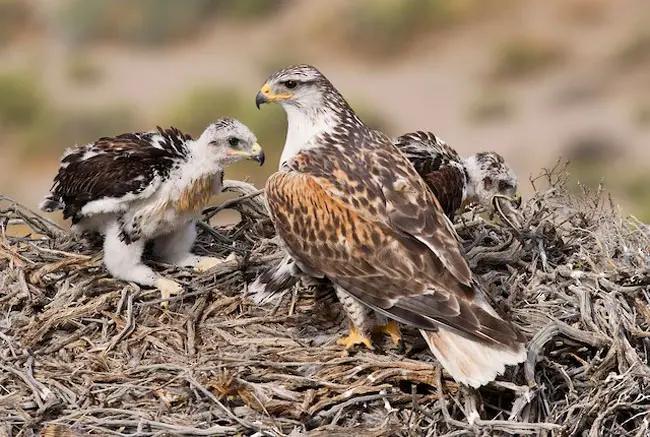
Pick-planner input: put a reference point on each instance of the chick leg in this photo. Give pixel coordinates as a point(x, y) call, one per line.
point(123, 259)
point(360, 321)
point(175, 248)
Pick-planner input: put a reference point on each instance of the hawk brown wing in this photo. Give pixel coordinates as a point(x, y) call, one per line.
point(366, 228)
point(380, 184)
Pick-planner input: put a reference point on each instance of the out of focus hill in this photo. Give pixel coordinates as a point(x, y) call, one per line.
point(531, 79)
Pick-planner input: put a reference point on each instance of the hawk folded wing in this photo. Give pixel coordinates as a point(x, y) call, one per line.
point(332, 216)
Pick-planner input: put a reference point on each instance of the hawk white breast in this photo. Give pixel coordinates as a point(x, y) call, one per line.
point(138, 187)
point(350, 207)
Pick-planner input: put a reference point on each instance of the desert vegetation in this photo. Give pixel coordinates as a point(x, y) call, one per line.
point(151, 22)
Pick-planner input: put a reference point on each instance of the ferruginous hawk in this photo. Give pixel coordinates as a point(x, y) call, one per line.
point(138, 187)
point(484, 178)
point(348, 206)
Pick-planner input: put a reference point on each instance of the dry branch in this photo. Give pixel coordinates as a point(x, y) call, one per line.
point(83, 353)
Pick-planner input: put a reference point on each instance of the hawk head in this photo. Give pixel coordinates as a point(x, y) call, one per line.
point(300, 86)
point(492, 183)
point(227, 141)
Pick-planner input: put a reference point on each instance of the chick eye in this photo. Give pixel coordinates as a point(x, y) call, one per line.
point(290, 84)
point(503, 186)
point(233, 141)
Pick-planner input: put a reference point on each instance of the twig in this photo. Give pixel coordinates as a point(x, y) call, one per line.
point(212, 211)
point(129, 327)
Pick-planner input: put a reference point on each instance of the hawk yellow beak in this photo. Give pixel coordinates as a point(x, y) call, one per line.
point(256, 154)
point(264, 95)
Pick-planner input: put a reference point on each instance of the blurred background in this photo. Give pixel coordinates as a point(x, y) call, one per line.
point(535, 80)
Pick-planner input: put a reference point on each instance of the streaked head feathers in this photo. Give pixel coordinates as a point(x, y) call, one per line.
point(301, 86)
point(232, 141)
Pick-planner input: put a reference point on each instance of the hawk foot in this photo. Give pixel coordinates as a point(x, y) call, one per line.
point(391, 328)
point(167, 287)
point(354, 338)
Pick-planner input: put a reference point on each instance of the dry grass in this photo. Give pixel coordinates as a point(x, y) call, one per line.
point(87, 354)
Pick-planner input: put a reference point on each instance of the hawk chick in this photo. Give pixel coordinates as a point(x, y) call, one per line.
point(148, 186)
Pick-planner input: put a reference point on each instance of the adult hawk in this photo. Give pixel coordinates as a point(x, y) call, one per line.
point(351, 208)
point(138, 187)
point(484, 178)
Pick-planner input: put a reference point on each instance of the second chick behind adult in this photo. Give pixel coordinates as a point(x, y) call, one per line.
point(484, 178)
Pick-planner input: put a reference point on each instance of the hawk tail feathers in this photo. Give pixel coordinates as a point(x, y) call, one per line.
point(470, 362)
point(50, 203)
point(274, 282)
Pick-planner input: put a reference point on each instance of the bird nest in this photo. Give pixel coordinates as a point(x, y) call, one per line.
point(82, 353)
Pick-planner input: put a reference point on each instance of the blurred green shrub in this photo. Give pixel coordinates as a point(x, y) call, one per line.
point(490, 107)
point(587, 173)
point(642, 115)
point(151, 22)
point(384, 27)
point(56, 129)
point(15, 15)
point(81, 70)
point(629, 187)
point(636, 51)
point(635, 188)
point(596, 158)
point(37, 125)
point(371, 117)
point(21, 99)
point(250, 9)
point(524, 56)
point(289, 55)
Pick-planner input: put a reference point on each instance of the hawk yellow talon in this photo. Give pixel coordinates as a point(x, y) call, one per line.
point(391, 328)
point(354, 338)
point(167, 288)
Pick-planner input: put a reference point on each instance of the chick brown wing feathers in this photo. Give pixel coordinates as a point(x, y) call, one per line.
point(115, 167)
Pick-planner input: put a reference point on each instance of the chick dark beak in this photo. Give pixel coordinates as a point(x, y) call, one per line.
point(257, 154)
point(260, 99)
point(259, 158)
point(508, 210)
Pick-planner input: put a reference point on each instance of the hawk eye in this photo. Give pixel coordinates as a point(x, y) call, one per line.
point(503, 186)
point(233, 141)
point(290, 84)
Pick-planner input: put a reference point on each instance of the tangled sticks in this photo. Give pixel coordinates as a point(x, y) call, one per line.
point(82, 352)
